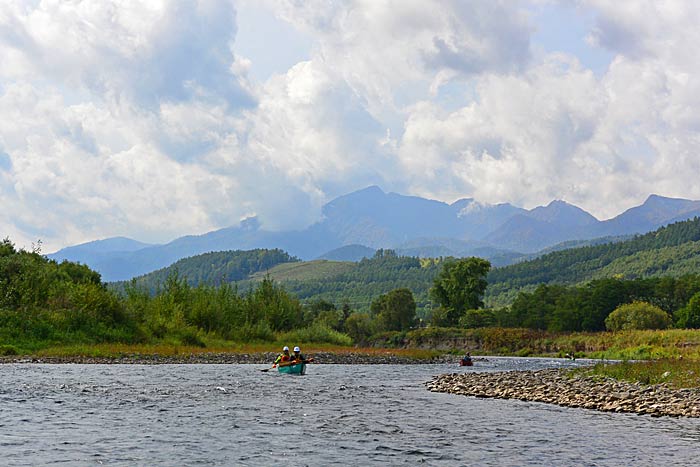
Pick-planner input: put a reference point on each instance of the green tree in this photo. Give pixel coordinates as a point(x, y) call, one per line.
point(637, 315)
point(359, 327)
point(271, 303)
point(689, 316)
point(395, 311)
point(460, 286)
point(478, 319)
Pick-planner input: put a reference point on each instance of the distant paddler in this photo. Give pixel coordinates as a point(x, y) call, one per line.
point(283, 357)
point(298, 357)
point(297, 365)
point(466, 360)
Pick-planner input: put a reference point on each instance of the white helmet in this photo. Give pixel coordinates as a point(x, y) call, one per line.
point(297, 349)
point(285, 349)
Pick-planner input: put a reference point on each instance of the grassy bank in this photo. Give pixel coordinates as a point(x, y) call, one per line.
point(674, 373)
point(624, 345)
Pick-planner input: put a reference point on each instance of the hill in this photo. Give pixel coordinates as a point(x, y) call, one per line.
point(339, 282)
point(215, 268)
point(670, 250)
point(358, 284)
point(348, 253)
point(303, 271)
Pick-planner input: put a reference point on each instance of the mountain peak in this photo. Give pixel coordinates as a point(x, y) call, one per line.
point(250, 224)
point(370, 190)
point(656, 211)
point(654, 200)
point(561, 211)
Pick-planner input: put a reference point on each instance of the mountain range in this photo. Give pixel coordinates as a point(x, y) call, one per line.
point(354, 225)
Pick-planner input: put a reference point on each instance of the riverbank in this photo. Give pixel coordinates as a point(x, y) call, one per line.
point(196, 356)
point(561, 387)
point(621, 345)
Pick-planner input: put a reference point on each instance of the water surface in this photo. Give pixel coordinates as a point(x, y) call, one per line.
point(127, 415)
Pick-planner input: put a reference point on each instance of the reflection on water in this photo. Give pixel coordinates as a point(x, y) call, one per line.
point(336, 415)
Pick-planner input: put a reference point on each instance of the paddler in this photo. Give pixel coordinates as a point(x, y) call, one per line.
point(283, 357)
point(299, 358)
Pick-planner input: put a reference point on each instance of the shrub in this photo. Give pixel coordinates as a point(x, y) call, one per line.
point(8, 350)
point(359, 327)
point(191, 336)
point(316, 333)
point(637, 315)
point(442, 317)
point(253, 332)
point(390, 339)
point(478, 319)
point(689, 316)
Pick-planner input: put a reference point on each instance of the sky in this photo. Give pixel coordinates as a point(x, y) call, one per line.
point(156, 119)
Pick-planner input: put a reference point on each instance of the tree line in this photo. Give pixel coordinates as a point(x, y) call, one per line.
point(43, 302)
point(586, 307)
point(669, 250)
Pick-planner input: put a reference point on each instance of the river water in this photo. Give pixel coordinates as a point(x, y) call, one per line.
point(230, 415)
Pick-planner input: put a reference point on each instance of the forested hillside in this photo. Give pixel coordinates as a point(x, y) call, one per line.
point(667, 251)
point(216, 268)
point(357, 284)
point(339, 282)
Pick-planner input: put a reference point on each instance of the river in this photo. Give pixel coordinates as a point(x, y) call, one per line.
point(231, 415)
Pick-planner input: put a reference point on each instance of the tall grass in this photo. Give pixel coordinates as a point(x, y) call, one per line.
point(672, 343)
point(672, 372)
point(315, 333)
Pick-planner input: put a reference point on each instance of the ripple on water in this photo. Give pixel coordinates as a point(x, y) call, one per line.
point(336, 415)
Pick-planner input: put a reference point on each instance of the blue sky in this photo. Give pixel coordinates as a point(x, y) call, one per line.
point(152, 119)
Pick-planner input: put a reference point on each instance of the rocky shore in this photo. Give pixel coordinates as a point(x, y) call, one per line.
point(555, 386)
point(228, 358)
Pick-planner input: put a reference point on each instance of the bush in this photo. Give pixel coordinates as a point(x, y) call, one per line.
point(316, 333)
point(8, 350)
point(478, 319)
point(390, 339)
point(253, 332)
point(359, 327)
point(637, 315)
point(441, 317)
point(689, 316)
point(191, 336)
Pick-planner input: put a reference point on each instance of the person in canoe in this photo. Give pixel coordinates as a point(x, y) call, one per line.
point(467, 360)
point(298, 357)
point(283, 357)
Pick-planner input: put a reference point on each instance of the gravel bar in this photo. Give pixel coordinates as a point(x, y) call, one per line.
point(557, 386)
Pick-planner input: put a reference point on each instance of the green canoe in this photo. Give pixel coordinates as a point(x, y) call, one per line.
point(293, 369)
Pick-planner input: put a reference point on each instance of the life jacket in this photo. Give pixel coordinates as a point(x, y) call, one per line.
point(283, 358)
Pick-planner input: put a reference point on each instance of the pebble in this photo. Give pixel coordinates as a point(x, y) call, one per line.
point(556, 386)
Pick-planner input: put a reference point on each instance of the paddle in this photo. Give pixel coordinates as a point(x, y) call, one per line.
point(296, 362)
point(308, 360)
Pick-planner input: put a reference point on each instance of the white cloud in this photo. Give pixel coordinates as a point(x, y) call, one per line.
point(140, 119)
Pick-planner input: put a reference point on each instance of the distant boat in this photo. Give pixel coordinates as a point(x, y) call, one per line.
point(466, 362)
point(293, 369)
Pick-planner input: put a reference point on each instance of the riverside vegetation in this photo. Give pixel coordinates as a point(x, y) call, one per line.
point(57, 308)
